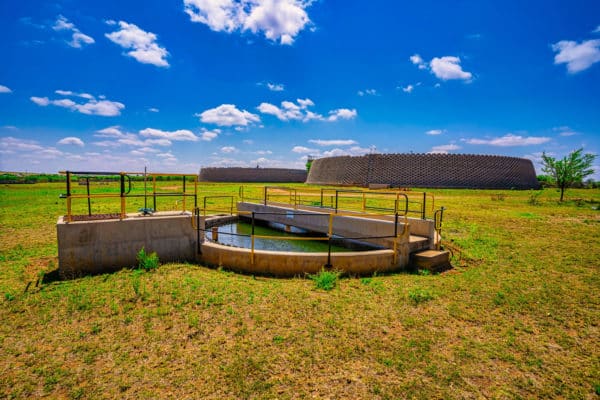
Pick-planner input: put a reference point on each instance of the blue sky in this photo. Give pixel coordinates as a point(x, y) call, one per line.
point(178, 85)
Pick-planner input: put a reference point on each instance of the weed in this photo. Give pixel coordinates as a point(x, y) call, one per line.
point(9, 296)
point(325, 280)
point(95, 329)
point(277, 339)
point(534, 198)
point(147, 261)
point(420, 295)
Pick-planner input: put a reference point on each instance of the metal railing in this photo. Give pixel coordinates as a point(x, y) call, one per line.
point(124, 180)
point(329, 236)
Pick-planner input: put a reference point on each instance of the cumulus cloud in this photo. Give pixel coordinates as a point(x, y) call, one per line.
point(333, 142)
point(341, 113)
point(142, 45)
point(444, 68)
point(153, 109)
point(208, 135)
point(78, 39)
point(228, 115)
point(577, 56)
point(408, 89)
point(418, 61)
point(352, 151)
point(93, 106)
point(509, 140)
point(71, 140)
point(178, 135)
point(444, 148)
point(5, 89)
point(298, 111)
point(278, 20)
point(435, 132)
point(448, 67)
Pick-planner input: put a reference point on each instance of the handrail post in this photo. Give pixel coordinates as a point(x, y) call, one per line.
point(122, 195)
point(154, 192)
point(321, 197)
point(87, 184)
point(204, 206)
point(364, 202)
point(265, 195)
point(336, 200)
point(197, 211)
point(183, 200)
point(252, 241)
point(423, 209)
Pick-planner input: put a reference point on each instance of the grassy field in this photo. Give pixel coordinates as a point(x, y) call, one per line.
point(518, 316)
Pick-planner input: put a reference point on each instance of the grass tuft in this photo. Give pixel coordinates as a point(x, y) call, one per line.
point(325, 280)
point(147, 261)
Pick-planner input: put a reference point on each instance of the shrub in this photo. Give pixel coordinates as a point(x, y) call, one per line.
point(147, 261)
point(325, 280)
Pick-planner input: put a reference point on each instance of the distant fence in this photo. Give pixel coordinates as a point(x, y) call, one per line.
point(426, 170)
point(235, 174)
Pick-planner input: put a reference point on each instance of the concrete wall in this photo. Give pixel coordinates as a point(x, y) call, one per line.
point(295, 263)
point(213, 174)
point(426, 170)
point(106, 245)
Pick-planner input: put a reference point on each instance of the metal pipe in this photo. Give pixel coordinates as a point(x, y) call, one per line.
point(423, 209)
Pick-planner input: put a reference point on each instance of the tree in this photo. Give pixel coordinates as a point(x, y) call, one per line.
point(571, 169)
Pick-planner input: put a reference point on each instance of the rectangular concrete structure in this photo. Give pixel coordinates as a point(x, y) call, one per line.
point(86, 247)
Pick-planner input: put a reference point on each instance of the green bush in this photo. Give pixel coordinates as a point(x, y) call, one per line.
point(147, 261)
point(325, 280)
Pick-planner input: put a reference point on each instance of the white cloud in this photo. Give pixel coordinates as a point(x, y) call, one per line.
point(435, 132)
point(40, 101)
point(153, 109)
point(78, 39)
point(208, 135)
point(11, 144)
point(597, 30)
point(341, 113)
point(577, 56)
point(142, 44)
point(304, 150)
point(444, 149)
point(408, 89)
point(333, 142)
point(276, 87)
point(444, 68)
point(104, 108)
point(367, 92)
point(178, 135)
point(510, 140)
point(111, 131)
point(228, 115)
point(565, 131)
point(4, 89)
point(417, 60)
point(448, 67)
point(352, 151)
point(228, 149)
point(71, 140)
point(278, 20)
point(290, 111)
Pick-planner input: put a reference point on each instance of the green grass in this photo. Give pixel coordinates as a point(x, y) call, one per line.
point(516, 318)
